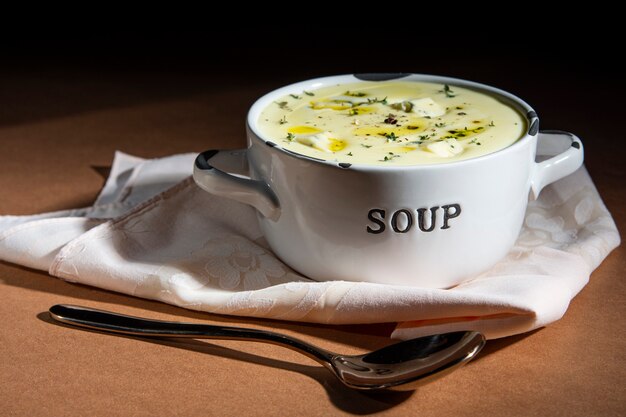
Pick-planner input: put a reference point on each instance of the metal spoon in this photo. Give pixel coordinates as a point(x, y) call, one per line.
point(400, 366)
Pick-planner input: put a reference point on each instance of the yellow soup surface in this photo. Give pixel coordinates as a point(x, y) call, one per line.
point(398, 123)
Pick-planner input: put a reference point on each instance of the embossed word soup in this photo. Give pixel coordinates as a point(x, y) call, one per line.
point(391, 123)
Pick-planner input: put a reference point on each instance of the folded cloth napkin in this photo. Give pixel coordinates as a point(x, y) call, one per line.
point(153, 233)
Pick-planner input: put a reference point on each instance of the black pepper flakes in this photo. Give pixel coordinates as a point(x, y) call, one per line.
point(391, 119)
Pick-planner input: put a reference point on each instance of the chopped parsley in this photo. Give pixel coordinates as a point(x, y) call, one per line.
point(391, 137)
point(297, 97)
point(376, 100)
point(283, 120)
point(354, 93)
point(389, 157)
point(308, 93)
point(447, 91)
point(291, 137)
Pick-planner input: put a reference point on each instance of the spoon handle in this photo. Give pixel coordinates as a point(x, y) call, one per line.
point(92, 318)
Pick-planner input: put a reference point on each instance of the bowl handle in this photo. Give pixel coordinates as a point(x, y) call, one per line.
point(236, 187)
point(559, 166)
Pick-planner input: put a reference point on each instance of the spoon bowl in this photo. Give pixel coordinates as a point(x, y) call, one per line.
point(400, 366)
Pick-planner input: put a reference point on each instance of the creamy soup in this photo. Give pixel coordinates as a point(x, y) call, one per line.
point(391, 123)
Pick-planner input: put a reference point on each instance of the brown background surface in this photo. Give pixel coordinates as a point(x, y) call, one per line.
point(68, 102)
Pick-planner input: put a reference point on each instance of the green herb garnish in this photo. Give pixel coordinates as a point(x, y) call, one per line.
point(391, 137)
point(447, 91)
point(283, 120)
point(297, 97)
point(350, 154)
point(389, 158)
point(291, 137)
point(308, 93)
point(376, 100)
point(283, 105)
point(354, 93)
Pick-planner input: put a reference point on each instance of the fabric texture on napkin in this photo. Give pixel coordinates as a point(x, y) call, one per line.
point(153, 233)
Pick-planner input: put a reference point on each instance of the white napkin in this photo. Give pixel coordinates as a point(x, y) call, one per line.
point(153, 233)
